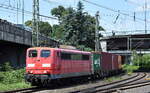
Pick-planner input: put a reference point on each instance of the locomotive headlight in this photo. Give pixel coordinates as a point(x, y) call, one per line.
point(45, 72)
point(46, 65)
point(30, 65)
point(31, 71)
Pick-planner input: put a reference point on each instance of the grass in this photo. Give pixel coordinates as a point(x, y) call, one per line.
point(111, 79)
point(14, 86)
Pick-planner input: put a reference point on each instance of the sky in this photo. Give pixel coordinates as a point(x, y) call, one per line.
point(107, 18)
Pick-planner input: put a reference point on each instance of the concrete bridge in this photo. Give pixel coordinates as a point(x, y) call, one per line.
point(125, 44)
point(14, 41)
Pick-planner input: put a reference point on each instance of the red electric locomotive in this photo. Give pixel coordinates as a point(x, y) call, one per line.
point(46, 64)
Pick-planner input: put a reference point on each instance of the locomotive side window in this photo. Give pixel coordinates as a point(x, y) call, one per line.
point(45, 53)
point(76, 57)
point(32, 53)
point(85, 57)
point(65, 56)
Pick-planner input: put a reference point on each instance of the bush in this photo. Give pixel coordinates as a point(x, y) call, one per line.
point(145, 62)
point(10, 77)
point(129, 68)
point(136, 59)
point(6, 67)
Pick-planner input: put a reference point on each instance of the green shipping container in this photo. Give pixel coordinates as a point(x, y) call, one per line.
point(96, 62)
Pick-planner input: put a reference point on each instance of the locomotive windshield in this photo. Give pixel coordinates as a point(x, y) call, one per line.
point(45, 53)
point(33, 53)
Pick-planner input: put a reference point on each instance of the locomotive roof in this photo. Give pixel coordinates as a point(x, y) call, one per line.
point(65, 50)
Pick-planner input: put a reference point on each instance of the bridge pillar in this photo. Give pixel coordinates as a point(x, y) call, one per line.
point(13, 53)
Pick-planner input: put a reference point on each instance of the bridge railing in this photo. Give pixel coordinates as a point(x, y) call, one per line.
point(131, 32)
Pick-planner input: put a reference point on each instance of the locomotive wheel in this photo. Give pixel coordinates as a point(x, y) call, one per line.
point(33, 84)
point(45, 83)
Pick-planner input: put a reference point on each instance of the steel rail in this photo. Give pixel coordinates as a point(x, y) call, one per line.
point(112, 85)
point(108, 90)
point(129, 86)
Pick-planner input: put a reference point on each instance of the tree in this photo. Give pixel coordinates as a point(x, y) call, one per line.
point(58, 12)
point(77, 27)
point(57, 32)
point(44, 27)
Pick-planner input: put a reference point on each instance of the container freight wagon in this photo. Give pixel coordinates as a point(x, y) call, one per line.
point(105, 64)
point(120, 62)
point(111, 63)
point(96, 64)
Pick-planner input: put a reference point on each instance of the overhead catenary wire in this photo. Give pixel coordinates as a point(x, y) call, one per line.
point(113, 10)
point(117, 17)
point(20, 10)
point(83, 0)
point(44, 16)
point(131, 2)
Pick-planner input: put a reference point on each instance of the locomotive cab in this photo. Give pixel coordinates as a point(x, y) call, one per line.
point(39, 61)
point(39, 64)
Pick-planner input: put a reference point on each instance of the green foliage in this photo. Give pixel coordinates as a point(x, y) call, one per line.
point(112, 79)
point(58, 12)
point(76, 27)
point(130, 68)
point(13, 76)
point(135, 59)
point(12, 79)
point(134, 65)
point(83, 48)
point(57, 32)
point(80, 6)
point(6, 67)
point(15, 86)
point(145, 62)
point(44, 27)
point(28, 23)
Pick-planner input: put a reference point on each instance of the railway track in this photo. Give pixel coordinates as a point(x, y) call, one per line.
point(102, 88)
point(114, 85)
point(129, 86)
point(26, 90)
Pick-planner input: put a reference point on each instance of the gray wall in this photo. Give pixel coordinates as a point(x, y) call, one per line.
point(13, 53)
